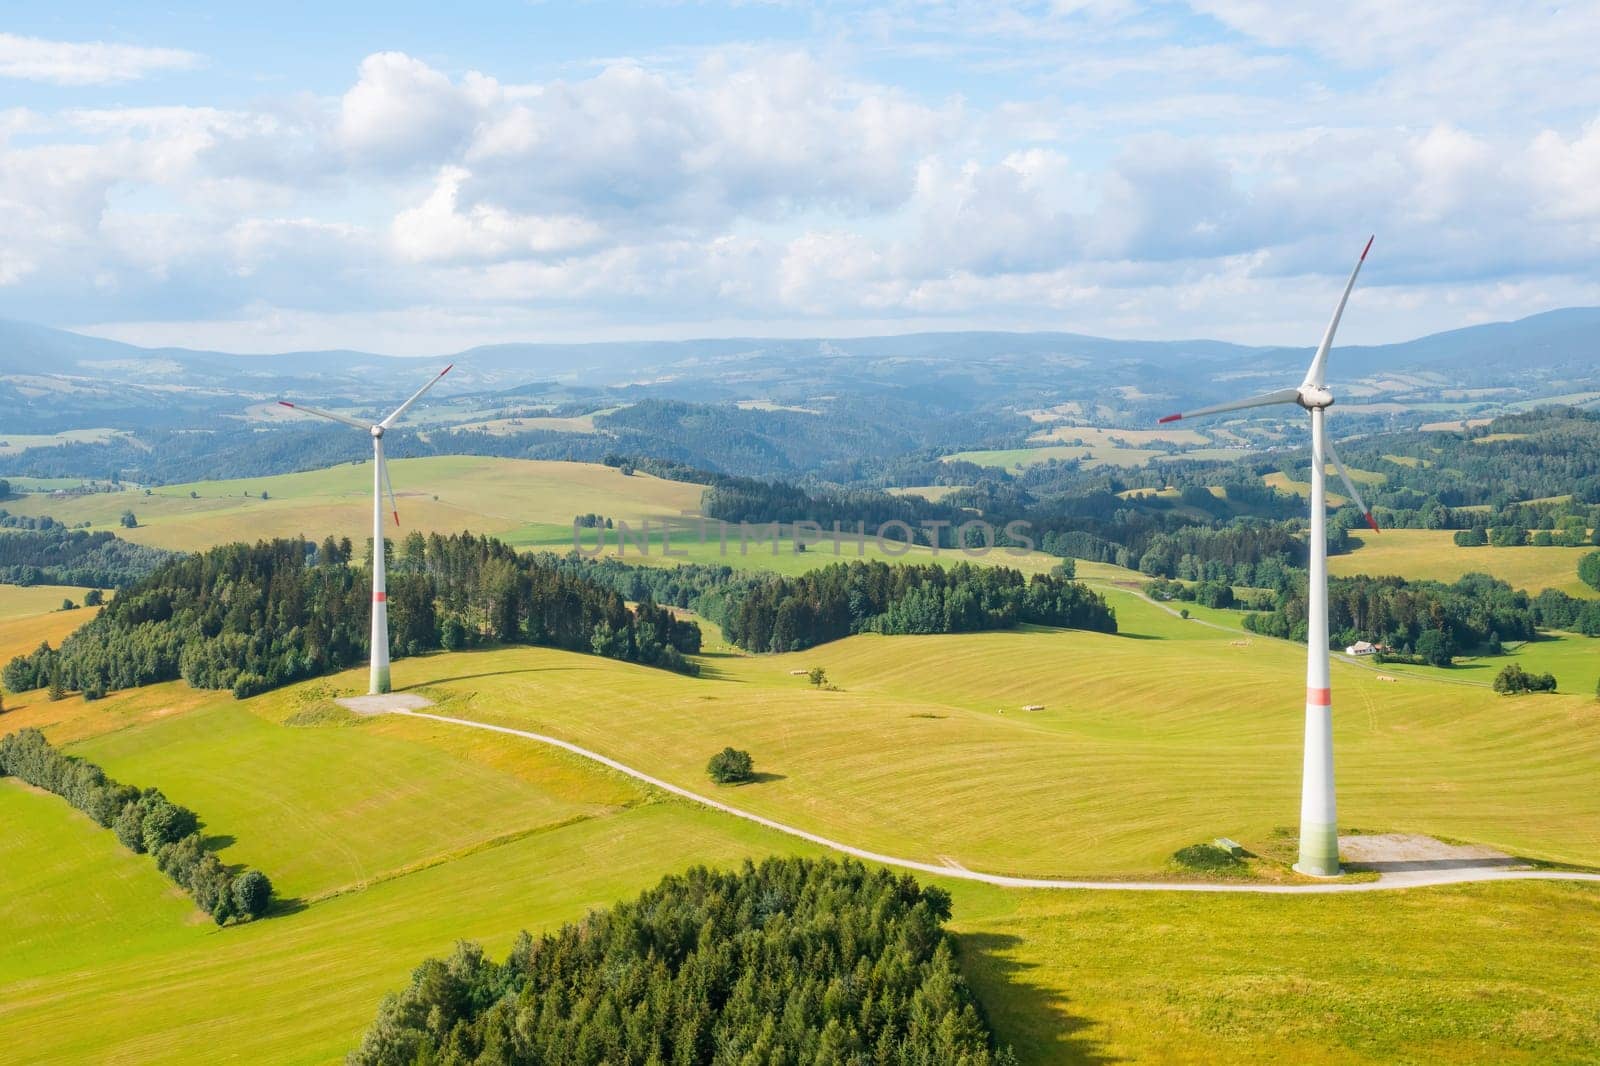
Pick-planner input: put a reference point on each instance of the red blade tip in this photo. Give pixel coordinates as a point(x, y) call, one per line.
point(396, 517)
point(1168, 418)
point(1373, 522)
point(447, 369)
point(1368, 248)
point(285, 403)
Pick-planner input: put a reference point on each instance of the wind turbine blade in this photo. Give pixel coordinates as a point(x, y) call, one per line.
point(1319, 363)
point(325, 414)
point(1267, 400)
point(394, 506)
point(1350, 486)
point(403, 408)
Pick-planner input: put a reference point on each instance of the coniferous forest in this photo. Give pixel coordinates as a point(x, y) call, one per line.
point(766, 612)
point(251, 618)
point(792, 961)
point(790, 613)
point(44, 552)
point(1475, 613)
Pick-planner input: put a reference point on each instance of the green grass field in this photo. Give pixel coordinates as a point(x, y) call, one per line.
point(1573, 658)
point(758, 550)
point(1432, 554)
point(394, 837)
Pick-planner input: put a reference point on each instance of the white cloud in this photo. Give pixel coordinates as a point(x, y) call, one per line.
point(438, 230)
point(402, 111)
point(773, 188)
point(85, 62)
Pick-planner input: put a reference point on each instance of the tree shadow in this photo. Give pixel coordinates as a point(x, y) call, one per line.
point(217, 841)
point(487, 673)
point(997, 977)
point(282, 907)
point(712, 672)
point(761, 777)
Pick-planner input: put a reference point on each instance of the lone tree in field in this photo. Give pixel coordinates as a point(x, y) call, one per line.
point(817, 676)
point(731, 766)
point(1514, 679)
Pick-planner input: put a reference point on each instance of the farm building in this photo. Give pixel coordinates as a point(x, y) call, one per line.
point(1361, 647)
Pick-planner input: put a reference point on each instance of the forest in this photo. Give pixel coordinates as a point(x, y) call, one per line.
point(1475, 614)
point(145, 821)
point(251, 618)
point(778, 614)
point(769, 613)
point(44, 552)
point(794, 961)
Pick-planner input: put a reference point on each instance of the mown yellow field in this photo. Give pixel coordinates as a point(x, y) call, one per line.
point(1432, 554)
point(445, 494)
point(23, 601)
point(24, 633)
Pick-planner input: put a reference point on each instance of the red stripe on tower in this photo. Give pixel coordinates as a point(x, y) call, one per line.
point(1319, 697)
point(380, 597)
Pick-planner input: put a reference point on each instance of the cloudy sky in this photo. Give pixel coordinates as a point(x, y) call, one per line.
point(412, 179)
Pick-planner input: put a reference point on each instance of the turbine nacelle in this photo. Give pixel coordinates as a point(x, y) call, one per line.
point(377, 432)
point(1314, 397)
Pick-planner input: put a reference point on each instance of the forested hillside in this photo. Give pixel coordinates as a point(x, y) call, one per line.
point(50, 554)
point(1429, 618)
point(792, 961)
point(250, 618)
point(769, 613)
point(790, 613)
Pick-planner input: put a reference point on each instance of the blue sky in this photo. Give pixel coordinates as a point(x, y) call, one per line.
point(412, 179)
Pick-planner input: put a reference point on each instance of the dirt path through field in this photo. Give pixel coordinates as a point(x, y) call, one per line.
point(1401, 861)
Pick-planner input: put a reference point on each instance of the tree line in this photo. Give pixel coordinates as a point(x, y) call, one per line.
point(145, 821)
point(767, 612)
point(250, 618)
point(1427, 619)
point(792, 961)
point(54, 555)
point(778, 614)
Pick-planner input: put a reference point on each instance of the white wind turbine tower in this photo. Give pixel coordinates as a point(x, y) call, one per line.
point(1319, 830)
point(379, 682)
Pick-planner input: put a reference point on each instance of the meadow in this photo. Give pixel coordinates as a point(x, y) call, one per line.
point(390, 838)
point(1432, 554)
point(445, 494)
point(25, 601)
point(1091, 456)
point(529, 504)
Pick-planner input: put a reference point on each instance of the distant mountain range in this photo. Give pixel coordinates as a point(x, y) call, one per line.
point(52, 380)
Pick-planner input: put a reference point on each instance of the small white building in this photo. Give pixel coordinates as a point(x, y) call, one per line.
point(1361, 647)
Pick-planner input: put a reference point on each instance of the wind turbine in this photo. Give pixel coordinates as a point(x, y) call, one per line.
point(379, 682)
point(1319, 830)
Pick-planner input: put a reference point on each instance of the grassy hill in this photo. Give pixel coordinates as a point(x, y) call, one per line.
point(1432, 554)
point(441, 494)
point(527, 503)
point(390, 838)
